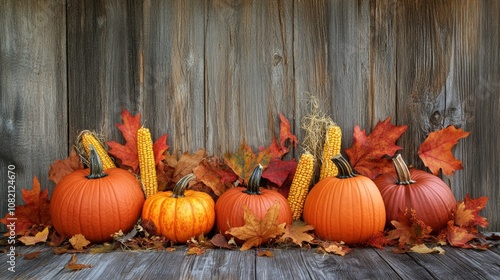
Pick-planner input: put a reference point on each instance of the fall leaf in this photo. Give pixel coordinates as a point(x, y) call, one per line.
point(409, 230)
point(39, 237)
point(195, 250)
point(187, 162)
point(256, 232)
point(333, 247)
point(78, 241)
point(458, 236)
point(32, 255)
point(366, 154)
point(72, 265)
point(436, 150)
point(466, 212)
point(61, 168)
point(278, 171)
point(218, 240)
point(244, 161)
point(127, 153)
point(280, 149)
point(206, 174)
point(56, 239)
point(423, 249)
point(298, 233)
point(36, 210)
point(265, 253)
point(379, 240)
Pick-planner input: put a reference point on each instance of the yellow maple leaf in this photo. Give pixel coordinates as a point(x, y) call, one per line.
point(298, 233)
point(78, 241)
point(256, 232)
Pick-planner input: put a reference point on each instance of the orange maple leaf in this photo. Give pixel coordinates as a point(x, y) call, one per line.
point(409, 230)
point(36, 210)
point(256, 232)
point(458, 236)
point(436, 152)
point(366, 154)
point(466, 212)
point(61, 168)
point(127, 154)
point(298, 233)
point(244, 161)
point(206, 174)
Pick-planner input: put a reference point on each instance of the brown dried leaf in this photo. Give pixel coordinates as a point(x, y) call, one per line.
point(32, 255)
point(298, 234)
point(220, 241)
point(72, 265)
point(61, 168)
point(195, 250)
point(423, 249)
point(39, 237)
point(78, 241)
point(265, 253)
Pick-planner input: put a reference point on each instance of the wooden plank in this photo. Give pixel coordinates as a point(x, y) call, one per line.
point(484, 264)
point(480, 86)
point(382, 61)
point(284, 264)
point(102, 65)
point(361, 263)
point(33, 115)
point(171, 67)
point(403, 264)
point(248, 54)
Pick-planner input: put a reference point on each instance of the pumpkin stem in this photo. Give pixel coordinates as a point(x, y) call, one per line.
point(181, 185)
point(253, 186)
point(402, 171)
point(96, 171)
point(345, 169)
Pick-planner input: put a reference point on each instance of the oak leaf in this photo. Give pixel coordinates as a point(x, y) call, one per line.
point(436, 150)
point(244, 161)
point(256, 232)
point(466, 212)
point(61, 168)
point(298, 233)
point(36, 210)
point(367, 153)
point(39, 237)
point(458, 236)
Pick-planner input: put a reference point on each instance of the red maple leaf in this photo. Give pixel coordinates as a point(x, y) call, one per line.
point(280, 149)
point(366, 154)
point(279, 170)
point(466, 213)
point(436, 150)
point(36, 210)
point(127, 153)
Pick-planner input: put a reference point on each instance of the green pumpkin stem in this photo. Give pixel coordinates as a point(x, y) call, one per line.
point(95, 165)
point(253, 186)
point(345, 169)
point(404, 177)
point(182, 185)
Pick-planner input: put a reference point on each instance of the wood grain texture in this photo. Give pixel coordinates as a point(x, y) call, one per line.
point(33, 114)
point(248, 54)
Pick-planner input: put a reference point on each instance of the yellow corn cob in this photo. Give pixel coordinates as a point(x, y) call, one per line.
point(300, 184)
point(87, 139)
point(147, 164)
point(331, 147)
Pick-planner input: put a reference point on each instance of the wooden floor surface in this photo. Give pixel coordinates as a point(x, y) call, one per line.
point(291, 263)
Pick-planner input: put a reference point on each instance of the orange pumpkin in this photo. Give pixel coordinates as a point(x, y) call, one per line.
point(96, 203)
point(180, 214)
point(229, 206)
point(406, 189)
point(346, 208)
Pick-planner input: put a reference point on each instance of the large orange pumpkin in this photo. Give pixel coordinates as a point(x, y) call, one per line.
point(96, 203)
point(346, 208)
point(406, 189)
point(180, 214)
point(229, 206)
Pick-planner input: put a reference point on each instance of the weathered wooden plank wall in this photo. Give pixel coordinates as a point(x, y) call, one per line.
point(214, 73)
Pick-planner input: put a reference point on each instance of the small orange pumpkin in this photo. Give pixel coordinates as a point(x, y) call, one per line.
point(229, 206)
point(180, 214)
point(346, 208)
point(96, 203)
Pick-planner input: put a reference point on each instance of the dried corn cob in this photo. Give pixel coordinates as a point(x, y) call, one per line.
point(300, 184)
point(331, 147)
point(147, 164)
point(88, 138)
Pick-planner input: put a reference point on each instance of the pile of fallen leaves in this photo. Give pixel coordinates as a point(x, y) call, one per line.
point(369, 155)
